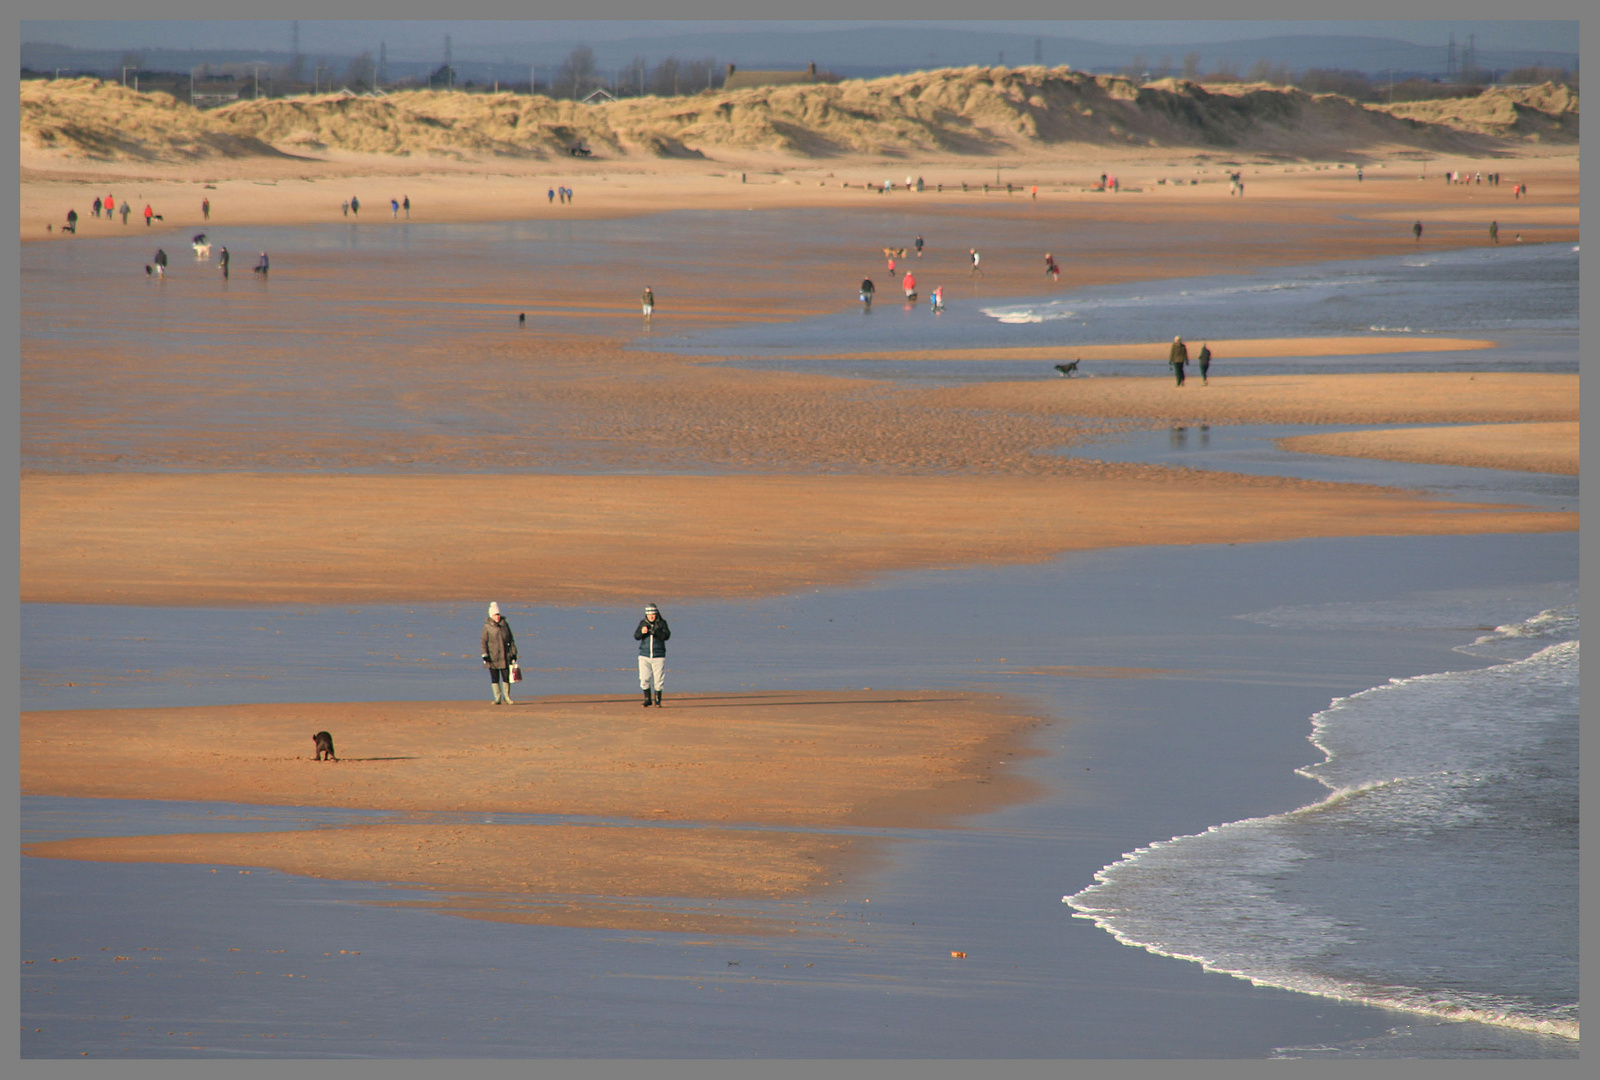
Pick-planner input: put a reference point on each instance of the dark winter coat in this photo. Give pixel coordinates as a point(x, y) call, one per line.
point(1179, 354)
point(653, 636)
point(498, 644)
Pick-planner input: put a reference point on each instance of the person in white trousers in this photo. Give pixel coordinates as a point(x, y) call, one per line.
point(652, 634)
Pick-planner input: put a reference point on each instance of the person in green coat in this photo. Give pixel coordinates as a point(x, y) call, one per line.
point(1178, 358)
point(499, 652)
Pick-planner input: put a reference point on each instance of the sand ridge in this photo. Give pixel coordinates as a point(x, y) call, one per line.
point(628, 777)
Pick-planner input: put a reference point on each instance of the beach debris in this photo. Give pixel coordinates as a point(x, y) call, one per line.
point(958, 954)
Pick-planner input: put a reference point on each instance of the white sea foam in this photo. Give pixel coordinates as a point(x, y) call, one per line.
point(1451, 795)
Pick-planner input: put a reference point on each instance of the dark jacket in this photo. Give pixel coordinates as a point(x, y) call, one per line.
point(498, 644)
point(652, 636)
point(1179, 353)
point(1205, 356)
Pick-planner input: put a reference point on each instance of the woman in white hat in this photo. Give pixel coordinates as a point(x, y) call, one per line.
point(499, 652)
point(652, 634)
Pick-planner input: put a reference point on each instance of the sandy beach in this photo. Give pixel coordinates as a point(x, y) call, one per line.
point(355, 433)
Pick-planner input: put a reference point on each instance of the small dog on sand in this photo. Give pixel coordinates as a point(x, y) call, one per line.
point(324, 743)
point(1066, 371)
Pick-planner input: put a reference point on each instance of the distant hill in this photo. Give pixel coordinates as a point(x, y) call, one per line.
point(965, 111)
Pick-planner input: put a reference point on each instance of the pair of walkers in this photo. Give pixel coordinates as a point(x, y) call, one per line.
point(1178, 357)
point(500, 654)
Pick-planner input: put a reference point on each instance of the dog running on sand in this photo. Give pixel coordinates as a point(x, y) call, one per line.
point(324, 743)
point(1066, 371)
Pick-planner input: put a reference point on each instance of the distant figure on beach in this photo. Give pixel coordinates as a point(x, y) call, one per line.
point(522, 319)
point(919, 247)
point(110, 206)
point(1033, 192)
point(405, 204)
point(499, 652)
point(1358, 174)
point(355, 205)
point(1178, 357)
point(891, 266)
point(1050, 266)
point(222, 261)
point(148, 214)
point(97, 205)
point(1416, 230)
point(262, 265)
point(394, 209)
point(652, 634)
point(72, 221)
point(551, 195)
point(936, 300)
point(1494, 231)
point(977, 271)
point(910, 283)
point(867, 289)
point(344, 207)
point(205, 208)
point(160, 263)
point(124, 213)
point(1204, 360)
point(649, 301)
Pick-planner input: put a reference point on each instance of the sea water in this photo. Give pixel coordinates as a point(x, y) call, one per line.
point(1524, 297)
point(1439, 875)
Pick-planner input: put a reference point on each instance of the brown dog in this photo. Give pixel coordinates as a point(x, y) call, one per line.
point(324, 743)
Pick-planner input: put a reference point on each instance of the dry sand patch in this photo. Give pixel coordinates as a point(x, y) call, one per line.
point(792, 760)
point(1398, 398)
point(267, 539)
point(1543, 448)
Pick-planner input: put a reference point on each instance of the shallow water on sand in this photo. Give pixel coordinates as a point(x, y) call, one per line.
point(1213, 733)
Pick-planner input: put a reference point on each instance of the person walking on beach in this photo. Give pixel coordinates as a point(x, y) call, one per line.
point(161, 262)
point(891, 266)
point(649, 301)
point(551, 195)
point(1178, 357)
point(867, 289)
point(262, 265)
point(652, 634)
point(97, 205)
point(124, 214)
point(910, 283)
point(110, 206)
point(222, 261)
point(405, 204)
point(936, 300)
point(977, 271)
point(72, 221)
point(1051, 268)
point(1416, 230)
point(1494, 231)
point(148, 214)
point(1205, 364)
point(499, 652)
point(394, 209)
point(919, 247)
point(205, 208)
point(355, 205)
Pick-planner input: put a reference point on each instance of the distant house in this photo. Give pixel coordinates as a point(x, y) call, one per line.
point(740, 80)
point(211, 91)
point(599, 96)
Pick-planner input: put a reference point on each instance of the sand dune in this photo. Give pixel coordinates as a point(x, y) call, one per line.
point(955, 111)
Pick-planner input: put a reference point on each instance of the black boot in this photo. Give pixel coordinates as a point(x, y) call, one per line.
point(658, 697)
point(647, 701)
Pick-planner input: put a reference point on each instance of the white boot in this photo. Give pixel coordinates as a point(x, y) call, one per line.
point(496, 688)
point(506, 687)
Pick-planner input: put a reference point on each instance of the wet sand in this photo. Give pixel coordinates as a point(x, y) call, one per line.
point(797, 762)
point(1229, 348)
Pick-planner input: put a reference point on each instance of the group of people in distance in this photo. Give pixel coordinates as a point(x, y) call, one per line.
point(1178, 357)
point(500, 654)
